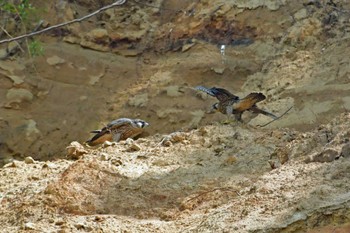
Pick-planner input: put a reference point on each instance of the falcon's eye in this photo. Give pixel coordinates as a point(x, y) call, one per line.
point(142, 124)
point(215, 106)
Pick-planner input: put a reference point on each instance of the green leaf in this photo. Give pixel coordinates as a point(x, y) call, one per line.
point(36, 48)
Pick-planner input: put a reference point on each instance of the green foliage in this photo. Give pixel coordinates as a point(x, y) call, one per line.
point(35, 48)
point(7, 7)
point(21, 10)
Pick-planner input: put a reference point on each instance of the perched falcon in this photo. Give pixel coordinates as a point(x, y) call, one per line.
point(117, 130)
point(230, 104)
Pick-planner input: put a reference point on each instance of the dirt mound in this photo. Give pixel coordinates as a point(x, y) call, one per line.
point(216, 177)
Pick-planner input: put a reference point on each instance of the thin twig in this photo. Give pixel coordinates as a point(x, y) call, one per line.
point(8, 34)
point(18, 45)
point(117, 3)
point(277, 117)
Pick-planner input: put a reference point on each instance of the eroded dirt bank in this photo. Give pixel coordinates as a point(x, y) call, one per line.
point(216, 178)
point(142, 62)
point(295, 53)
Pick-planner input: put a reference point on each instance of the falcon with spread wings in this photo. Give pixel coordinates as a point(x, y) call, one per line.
point(231, 104)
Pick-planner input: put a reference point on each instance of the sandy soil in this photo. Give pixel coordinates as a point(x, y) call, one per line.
point(139, 61)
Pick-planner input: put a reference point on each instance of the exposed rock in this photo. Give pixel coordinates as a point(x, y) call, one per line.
point(219, 70)
point(187, 47)
point(161, 78)
point(75, 150)
point(301, 14)
point(108, 144)
point(19, 95)
point(12, 164)
point(11, 66)
point(94, 46)
point(163, 113)
point(253, 4)
point(173, 91)
point(3, 53)
point(12, 47)
point(345, 150)
point(32, 132)
point(116, 162)
point(29, 160)
point(55, 60)
point(134, 147)
point(173, 138)
point(50, 165)
point(97, 39)
point(305, 32)
point(129, 141)
point(98, 34)
point(139, 100)
point(328, 155)
point(274, 163)
point(104, 156)
point(95, 78)
point(29, 226)
point(17, 80)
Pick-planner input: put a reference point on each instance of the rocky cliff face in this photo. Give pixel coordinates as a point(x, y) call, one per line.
point(142, 60)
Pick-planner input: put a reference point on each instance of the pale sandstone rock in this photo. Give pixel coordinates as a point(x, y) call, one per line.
point(55, 60)
point(301, 14)
point(345, 150)
point(75, 150)
point(32, 131)
point(29, 226)
point(139, 100)
point(29, 160)
point(19, 95)
point(173, 91)
point(134, 147)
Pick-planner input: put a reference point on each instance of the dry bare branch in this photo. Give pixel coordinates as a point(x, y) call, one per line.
point(117, 3)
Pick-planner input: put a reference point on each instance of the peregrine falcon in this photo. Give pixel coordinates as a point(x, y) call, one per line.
point(230, 104)
point(117, 130)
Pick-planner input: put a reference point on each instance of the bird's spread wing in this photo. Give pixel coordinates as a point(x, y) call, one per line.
point(220, 93)
point(249, 101)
